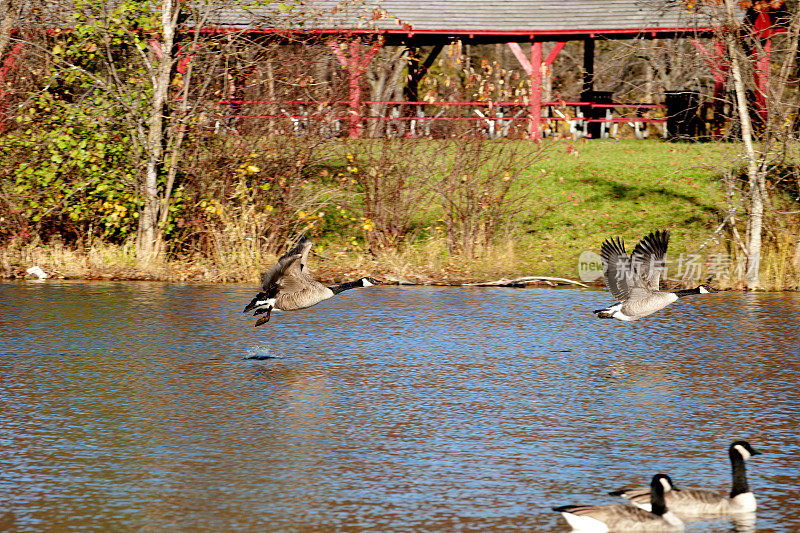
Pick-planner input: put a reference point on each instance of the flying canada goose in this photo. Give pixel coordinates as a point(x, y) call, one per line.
point(698, 502)
point(288, 285)
point(634, 280)
point(623, 517)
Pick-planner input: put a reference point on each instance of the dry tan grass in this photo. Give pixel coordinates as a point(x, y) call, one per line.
point(426, 263)
point(239, 260)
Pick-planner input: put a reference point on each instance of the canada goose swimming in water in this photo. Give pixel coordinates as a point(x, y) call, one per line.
point(698, 502)
point(623, 517)
point(634, 280)
point(288, 285)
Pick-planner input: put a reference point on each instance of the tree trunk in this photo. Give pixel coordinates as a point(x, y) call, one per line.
point(148, 249)
point(382, 83)
point(754, 174)
point(10, 10)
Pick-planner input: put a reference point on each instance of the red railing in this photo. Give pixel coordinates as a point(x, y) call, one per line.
point(325, 111)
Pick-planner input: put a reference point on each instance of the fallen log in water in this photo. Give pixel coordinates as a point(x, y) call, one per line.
point(521, 282)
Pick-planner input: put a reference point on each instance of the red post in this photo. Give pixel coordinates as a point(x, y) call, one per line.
point(535, 121)
point(720, 81)
point(719, 69)
point(8, 64)
point(533, 68)
point(761, 74)
point(356, 64)
point(764, 29)
point(355, 90)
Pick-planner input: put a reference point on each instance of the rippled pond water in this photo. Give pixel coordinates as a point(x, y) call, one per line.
point(131, 406)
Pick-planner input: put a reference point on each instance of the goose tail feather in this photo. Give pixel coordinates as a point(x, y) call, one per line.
point(604, 313)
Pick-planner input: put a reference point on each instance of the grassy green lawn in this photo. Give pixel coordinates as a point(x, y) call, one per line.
point(575, 196)
point(599, 189)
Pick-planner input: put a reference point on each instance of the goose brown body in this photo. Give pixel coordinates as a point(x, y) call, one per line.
point(623, 517)
point(289, 284)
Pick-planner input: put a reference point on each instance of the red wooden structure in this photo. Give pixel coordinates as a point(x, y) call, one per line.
point(439, 22)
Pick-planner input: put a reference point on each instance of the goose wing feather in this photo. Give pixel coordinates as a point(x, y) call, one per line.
point(632, 492)
point(699, 501)
point(681, 501)
point(642, 302)
point(293, 262)
point(293, 280)
point(647, 260)
point(616, 268)
point(290, 281)
point(615, 516)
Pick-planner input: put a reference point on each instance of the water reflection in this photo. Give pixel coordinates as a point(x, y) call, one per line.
point(131, 406)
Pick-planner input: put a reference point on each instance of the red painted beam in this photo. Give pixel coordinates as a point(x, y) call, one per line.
point(719, 69)
point(516, 49)
point(761, 59)
point(533, 68)
point(765, 27)
point(553, 53)
point(8, 64)
point(522, 34)
point(355, 63)
point(536, 91)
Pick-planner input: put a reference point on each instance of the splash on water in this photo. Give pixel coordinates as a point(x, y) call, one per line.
point(261, 352)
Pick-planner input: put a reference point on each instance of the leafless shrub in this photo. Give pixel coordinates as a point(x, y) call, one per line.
point(242, 200)
point(480, 191)
point(392, 178)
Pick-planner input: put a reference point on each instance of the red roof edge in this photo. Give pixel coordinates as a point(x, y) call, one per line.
point(468, 33)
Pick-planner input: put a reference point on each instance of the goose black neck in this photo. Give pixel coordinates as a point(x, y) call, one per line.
point(345, 286)
point(658, 504)
point(687, 292)
point(739, 474)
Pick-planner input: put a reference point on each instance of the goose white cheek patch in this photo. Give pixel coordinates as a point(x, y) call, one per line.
point(743, 451)
point(270, 301)
point(367, 283)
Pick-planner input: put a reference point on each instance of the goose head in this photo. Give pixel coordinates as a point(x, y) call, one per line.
point(706, 289)
point(660, 485)
point(663, 481)
point(369, 281)
point(743, 448)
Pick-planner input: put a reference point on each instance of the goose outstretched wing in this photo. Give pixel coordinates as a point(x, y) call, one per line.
point(648, 260)
point(616, 268)
point(292, 263)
